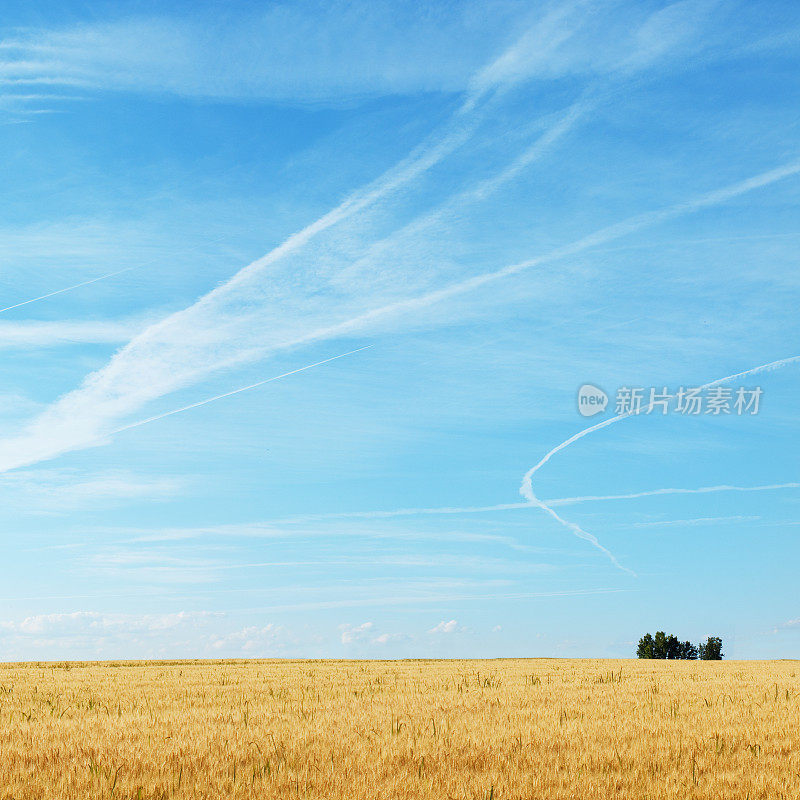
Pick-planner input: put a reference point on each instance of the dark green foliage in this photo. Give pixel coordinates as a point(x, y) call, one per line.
point(673, 647)
point(645, 648)
point(667, 646)
point(660, 645)
point(711, 650)
point(687, 651)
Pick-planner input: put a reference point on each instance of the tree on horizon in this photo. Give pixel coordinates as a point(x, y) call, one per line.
point(668, 646)
point(711, 650)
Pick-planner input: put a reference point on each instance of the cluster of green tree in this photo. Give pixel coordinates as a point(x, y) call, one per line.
point(667, 646)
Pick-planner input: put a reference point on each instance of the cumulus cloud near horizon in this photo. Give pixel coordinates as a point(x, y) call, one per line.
point(450, 626)
point(109, 635)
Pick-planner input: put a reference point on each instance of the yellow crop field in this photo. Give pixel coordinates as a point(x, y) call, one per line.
point(483, 730)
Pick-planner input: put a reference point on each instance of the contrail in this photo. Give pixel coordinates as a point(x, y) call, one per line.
point(696, 521)
point(484, 188)
point(235, 391)
point(558, 501)
point(68, 289)
point(105, 436)
point(526, 481)
point(598, 237)
point(422, 158)
point(436, 147)
point(565, 501)
point(582, 534)
point(104, 277)
point(526, 489)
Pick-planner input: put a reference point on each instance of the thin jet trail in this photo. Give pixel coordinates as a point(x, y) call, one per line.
point(557, 501)
point(236, 391)
point(67, 289)
point(105, 436)
point(526, 489)
point(103, 277)
point(567, 501)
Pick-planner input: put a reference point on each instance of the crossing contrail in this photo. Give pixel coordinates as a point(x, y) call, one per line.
point(526, 489)
point(491, 79)
point(600, 236)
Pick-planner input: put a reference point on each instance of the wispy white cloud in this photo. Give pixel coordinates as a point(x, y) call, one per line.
point(273, 53)
point(61, 623)
point(148, 566)
point(253, 641)
point(790, 624)
point(39, 333)
point(290, 529)
point(72, 239)
point(14, 404)
point(366, 594)
point(228, 323)
point(370, 49)
point(61, 491)
point(134, 560)
point(22, 104)
point(98, 634)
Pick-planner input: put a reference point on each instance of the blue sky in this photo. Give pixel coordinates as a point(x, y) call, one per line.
point(480, 207)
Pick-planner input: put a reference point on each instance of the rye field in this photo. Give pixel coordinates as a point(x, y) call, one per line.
point(471, 730)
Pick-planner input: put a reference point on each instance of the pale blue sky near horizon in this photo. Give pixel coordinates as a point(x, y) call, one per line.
point(484, 206)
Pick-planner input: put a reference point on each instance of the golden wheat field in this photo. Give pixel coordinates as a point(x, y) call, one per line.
point(544, 728)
